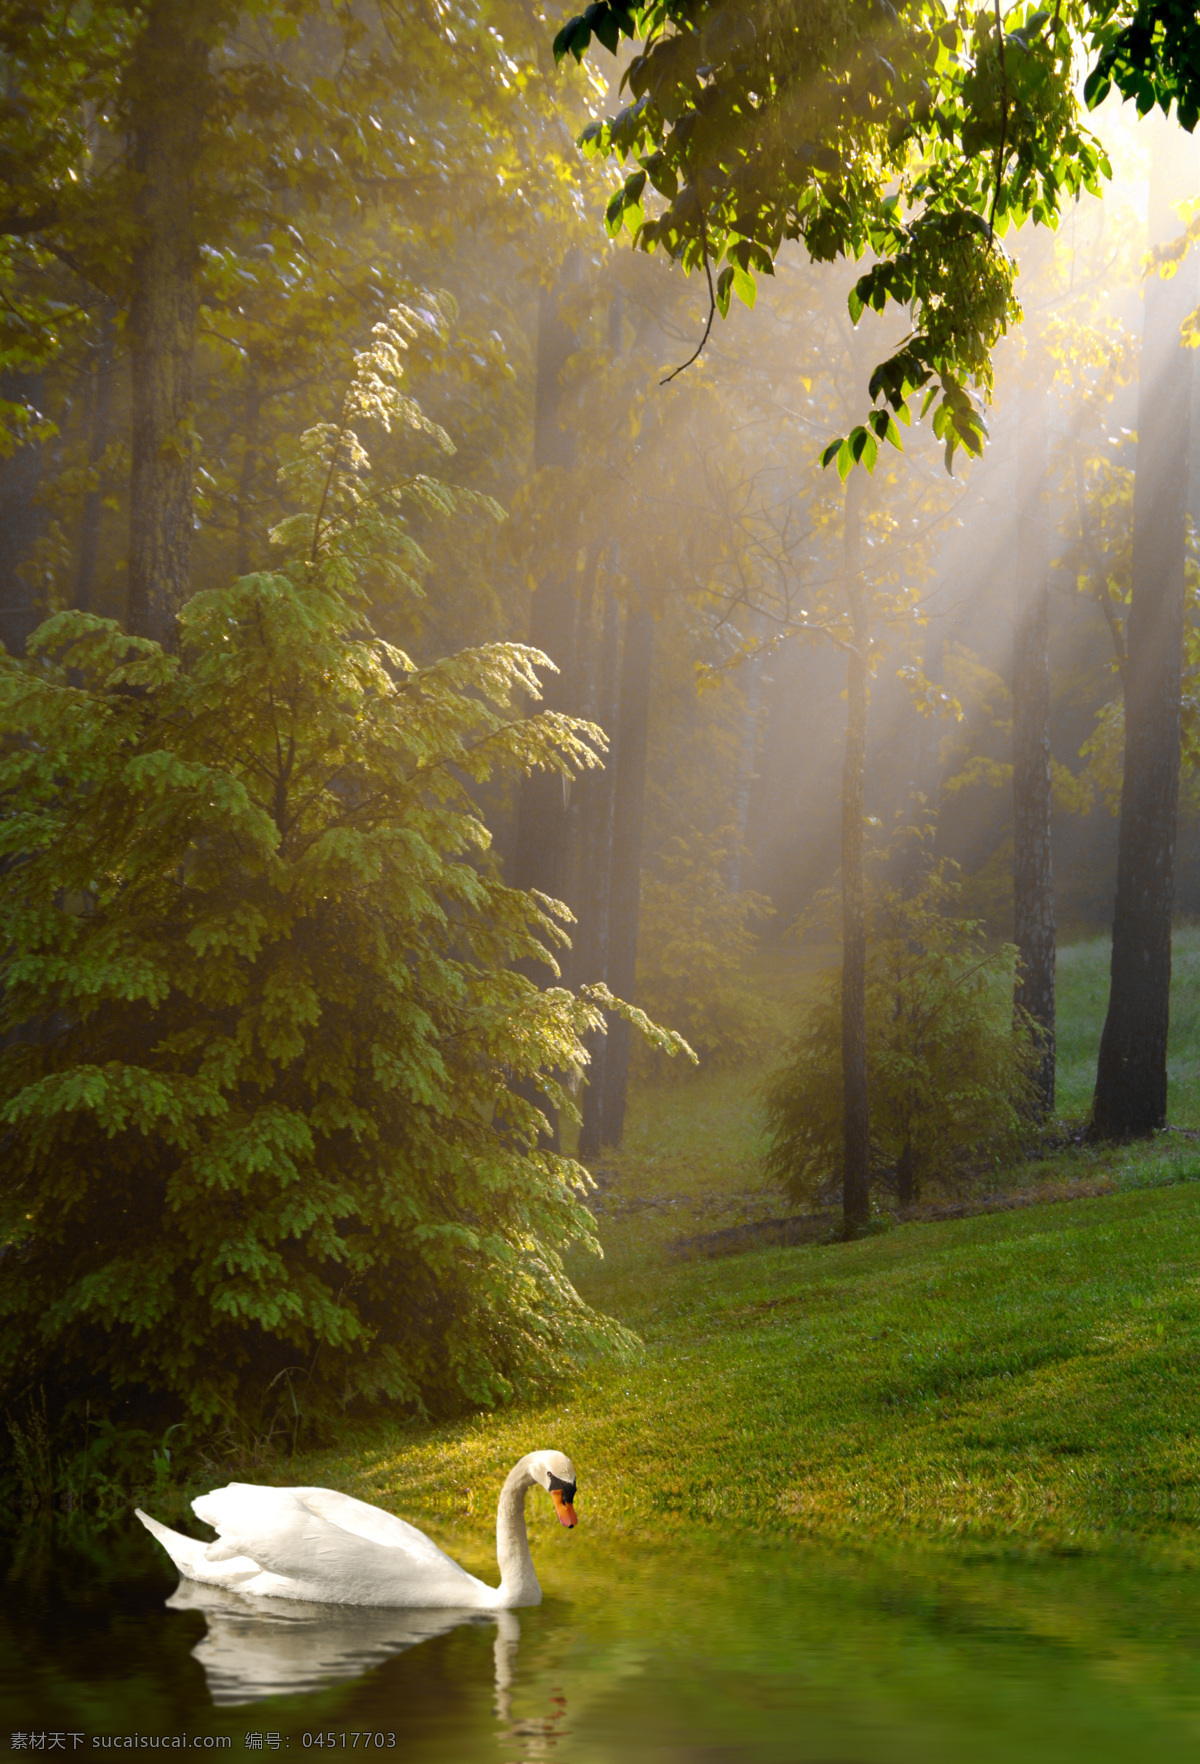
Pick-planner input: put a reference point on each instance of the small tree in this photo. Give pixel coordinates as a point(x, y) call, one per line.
point(951, 1076)
point(264, 1141)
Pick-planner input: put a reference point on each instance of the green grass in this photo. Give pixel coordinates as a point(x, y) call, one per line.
point(1024, 1379)
point(693, 1149)
point(929, 1494)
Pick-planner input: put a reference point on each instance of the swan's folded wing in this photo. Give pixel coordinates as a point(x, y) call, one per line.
point(242, 1506)
point(374, 1524)
point(282, 1530)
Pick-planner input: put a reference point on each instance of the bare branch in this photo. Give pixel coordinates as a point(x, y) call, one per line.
point(712, 309)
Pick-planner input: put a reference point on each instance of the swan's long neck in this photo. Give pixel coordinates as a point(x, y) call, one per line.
point(518, 1582)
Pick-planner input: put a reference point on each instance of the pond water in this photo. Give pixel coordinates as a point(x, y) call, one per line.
point(701, 1649)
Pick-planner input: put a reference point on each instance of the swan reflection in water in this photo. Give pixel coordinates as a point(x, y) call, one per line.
point(258, 1647)
point(307, 1587)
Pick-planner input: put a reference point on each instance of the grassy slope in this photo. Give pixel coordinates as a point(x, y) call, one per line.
point(1026, 1374)
point(1028, 1378)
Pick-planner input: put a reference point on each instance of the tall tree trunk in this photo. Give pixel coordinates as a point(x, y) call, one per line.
point(541, 857)
point(1131, 1077)
point(251, 412)
point(169, 99)
point(22, 520)
point(856, 1137)
point(1033, 883)
point(629, 792)
point(595, 870)
point(586, 698)
point(99, 421)
point(745, 778)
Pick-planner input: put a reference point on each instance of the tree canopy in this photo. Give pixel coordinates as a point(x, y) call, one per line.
point(912, 134)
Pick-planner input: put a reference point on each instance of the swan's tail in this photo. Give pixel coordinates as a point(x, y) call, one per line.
point(189, 1555)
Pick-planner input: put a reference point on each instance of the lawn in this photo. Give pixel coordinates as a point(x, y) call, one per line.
point(691, 1163)
point(1026, 1379)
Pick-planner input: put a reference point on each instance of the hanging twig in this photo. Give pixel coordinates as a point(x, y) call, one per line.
point(712, 307)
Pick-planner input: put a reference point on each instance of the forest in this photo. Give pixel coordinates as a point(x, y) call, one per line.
point(600, 627)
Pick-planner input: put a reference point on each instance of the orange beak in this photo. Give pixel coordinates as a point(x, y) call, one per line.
point(564, 1509)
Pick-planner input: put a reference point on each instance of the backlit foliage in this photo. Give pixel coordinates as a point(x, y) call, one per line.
point(916, 134)
point(949, 1073)
point(267, 1141)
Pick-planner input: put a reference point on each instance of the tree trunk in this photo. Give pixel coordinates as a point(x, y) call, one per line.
point(856, 1171)
point(629, 791)
point(252, 411)
point(746, 776)
point(541, 857)
point(595, 870)
point(169, 98)
point(22, 520)
point(100, 418)
point(1033, 885)
point(1131, 1078)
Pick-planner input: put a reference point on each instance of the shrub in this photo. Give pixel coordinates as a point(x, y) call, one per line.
point(265, 1145)
point(950, 1074)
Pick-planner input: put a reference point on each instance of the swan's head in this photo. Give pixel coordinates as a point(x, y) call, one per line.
point(556, 1474)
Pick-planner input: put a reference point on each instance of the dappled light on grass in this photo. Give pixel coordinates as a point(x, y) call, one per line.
point(1022, 1378)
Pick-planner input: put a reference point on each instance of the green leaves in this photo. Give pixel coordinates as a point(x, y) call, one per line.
point(1150, 51)
point(606, 20)
point(861, 445)
point(958, 421)
point(733, 279)
point(625, 207)
point(263, 1037)
point(744, 257)
point(949, 1071)
point(914, 137)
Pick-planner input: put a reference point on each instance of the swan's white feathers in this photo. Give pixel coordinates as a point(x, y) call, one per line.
point(557, 1463)
point(190, 1556)
point(316, 1545)
point(375, 1525)
point(242, 1509)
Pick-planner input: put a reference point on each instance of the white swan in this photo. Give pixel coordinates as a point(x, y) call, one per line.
point(328, 1548)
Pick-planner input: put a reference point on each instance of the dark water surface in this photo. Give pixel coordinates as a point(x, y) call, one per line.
point(703, 1650)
